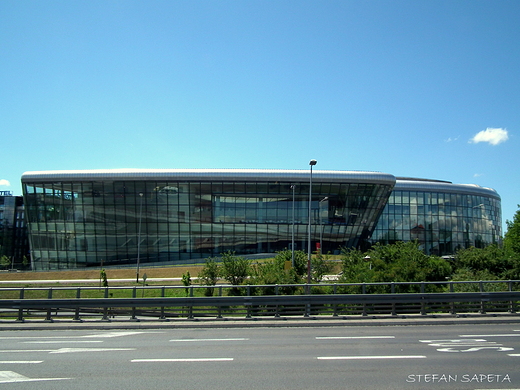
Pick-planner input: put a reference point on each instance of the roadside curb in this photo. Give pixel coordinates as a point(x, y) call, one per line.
point(282, 322)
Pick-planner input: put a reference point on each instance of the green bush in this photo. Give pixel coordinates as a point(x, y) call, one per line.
point(209, 275)
point(234, 269)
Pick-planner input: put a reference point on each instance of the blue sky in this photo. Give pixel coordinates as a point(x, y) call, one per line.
point(425, 88)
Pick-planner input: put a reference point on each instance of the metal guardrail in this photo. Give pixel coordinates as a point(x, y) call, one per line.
point(312, 301)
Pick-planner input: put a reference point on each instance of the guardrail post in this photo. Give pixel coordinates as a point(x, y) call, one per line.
point(163, 317)
point(452, 311)
point(276, 290)
point(76, 313)
point(308, 305)
point(335, 306)
point(219, 308)
point(105, 309)
point(190, 309)
point(423, 304)
point(482, 306)
point(248, 303)
point(20, 310)
point(49, 296)
point(134, 295)
point(364, 291)
point(511, 303)
point(392, 291)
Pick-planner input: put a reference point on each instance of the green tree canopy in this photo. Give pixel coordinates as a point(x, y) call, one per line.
point(210, 273)
point(492, 258)
point(512, 236)
point(399, 262)
point(235, 269)
point(280, 271)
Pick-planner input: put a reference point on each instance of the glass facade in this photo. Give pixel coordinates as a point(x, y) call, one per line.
point(93, 218)
point(13, 234)
point(443, 217)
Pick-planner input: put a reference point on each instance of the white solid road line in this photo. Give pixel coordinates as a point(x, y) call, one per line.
point(72, 350)
point(370, 357)
point(62, 341)
point(116, 334)
point(490, 335)
point(96, 335)
point(37, 337)
point(181, 360)
point(353, 337)
point(66, 350)
point(20, 361)
point(202, 340)
point(25, 350)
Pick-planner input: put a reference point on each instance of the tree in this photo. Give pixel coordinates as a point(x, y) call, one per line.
point(512, 236)
point(356, 267)
point(25, 262)
point(280, 271)
point(491, 259)
point(209, 275)
point(321, 266)
point(300, 261)
point(103, 277)
point(186, 281)
point(399, 262)
point(5, 262)
point(235, 269)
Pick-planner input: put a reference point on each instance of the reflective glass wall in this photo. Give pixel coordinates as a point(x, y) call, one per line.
point(441, 217)
point(109, 222)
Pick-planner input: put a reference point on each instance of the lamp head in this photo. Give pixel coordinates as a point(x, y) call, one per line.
point(313, 162)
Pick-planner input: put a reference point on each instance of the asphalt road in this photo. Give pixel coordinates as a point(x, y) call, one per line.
point(389, 357)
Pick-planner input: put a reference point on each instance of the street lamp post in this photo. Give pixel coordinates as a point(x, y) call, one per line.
point(321, 225)
point(311, 163)
point(292, 234)
point(139, 236)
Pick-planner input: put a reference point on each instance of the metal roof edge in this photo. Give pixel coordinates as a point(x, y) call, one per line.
point(207, 174)
point(433, 186)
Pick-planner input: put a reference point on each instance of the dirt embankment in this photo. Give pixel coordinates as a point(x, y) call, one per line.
point(126, 273)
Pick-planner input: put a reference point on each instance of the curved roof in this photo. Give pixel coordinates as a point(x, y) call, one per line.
point(209, 174)
point(439, 186)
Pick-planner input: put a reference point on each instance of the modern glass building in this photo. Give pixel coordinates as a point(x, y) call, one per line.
point(112, 217)
point(117, 217)
point(443, 217)
point(13, 233)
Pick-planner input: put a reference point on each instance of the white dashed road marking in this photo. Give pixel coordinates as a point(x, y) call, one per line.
point(72, 350)
point(181, 360)
point(203, 340)
point(353, 337)
point(63, 341)
point(370, 357)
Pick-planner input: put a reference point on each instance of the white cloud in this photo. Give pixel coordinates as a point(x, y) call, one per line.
point(4, 182)
point(478, 174)
point(491, 136)
point(451, 139)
